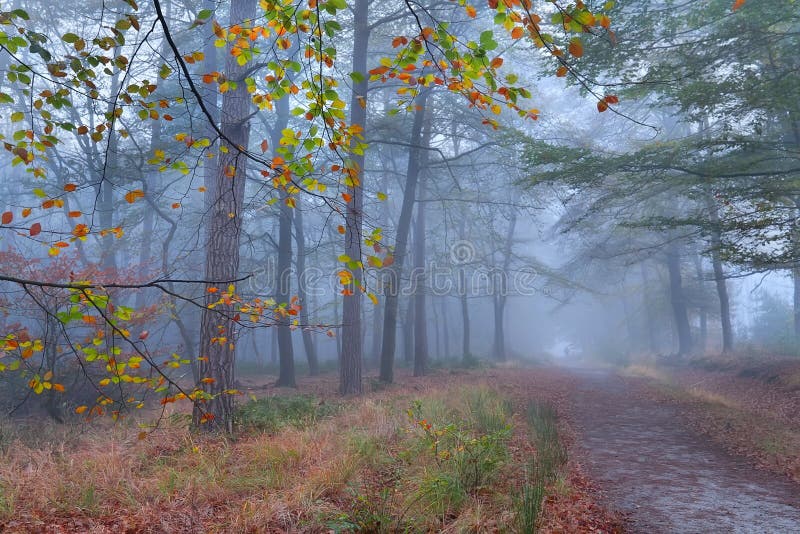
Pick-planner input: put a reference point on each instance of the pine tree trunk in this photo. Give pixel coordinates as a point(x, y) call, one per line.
point(465, 334)
point(719, 275)
point(395, 271)
point(302, 293)
point(283, 288)
point(418, 279)
point(352, 348)
point(678, 301)
point(217, 329)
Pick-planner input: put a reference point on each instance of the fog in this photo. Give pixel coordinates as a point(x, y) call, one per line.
point(217, 210)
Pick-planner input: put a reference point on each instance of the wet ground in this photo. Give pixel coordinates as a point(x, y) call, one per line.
point(664, 477)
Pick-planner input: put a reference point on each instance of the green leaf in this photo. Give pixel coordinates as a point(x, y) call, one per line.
point(357, 77)
point(487, 40)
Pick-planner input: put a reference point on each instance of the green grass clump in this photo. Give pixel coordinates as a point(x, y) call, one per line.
point(270, 414)
point(543, 467)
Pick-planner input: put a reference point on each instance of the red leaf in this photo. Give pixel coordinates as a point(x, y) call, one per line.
point(7, 217)
point(36, 229)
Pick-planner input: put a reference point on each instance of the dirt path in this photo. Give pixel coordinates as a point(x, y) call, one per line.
point(666, 478)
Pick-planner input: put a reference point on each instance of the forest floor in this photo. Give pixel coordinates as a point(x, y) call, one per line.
point(645, 450)
point(456, 451)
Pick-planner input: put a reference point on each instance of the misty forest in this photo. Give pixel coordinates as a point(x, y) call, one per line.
point(402, 266)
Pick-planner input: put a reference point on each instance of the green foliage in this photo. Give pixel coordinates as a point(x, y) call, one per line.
point(772, 326)
point(529, 503)
point(543, 467)
point(273, 413)
point(471, 450)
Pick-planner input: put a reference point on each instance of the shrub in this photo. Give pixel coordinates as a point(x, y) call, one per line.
point(272, 413)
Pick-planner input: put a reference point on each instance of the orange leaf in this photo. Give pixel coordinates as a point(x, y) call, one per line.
point(7, 217)
point(612, 99)
point(737, 4)
point(74, 214)
point(347, 197)
point(26, 212)
point(471, 12)
point(576, 47)
point(340, 229)
point(69, 188)
point(133, 196)
point(58, 387)
point(517, 32)
point(264, 146)
point(47, 204)
point(81, 409)
point(496, 63)
point(36, 229)
point(602, 106)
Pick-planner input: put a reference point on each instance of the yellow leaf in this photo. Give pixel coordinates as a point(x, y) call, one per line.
point(81, 409)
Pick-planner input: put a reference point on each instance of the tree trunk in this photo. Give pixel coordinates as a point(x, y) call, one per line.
point(352, 348)
point(283, 283)
point(395, 271)
point(445, 328)
point(678, 301)
point(286, 375)
point(465, 335)
point(418, 279)
point(650, 326)
point(701, 308)
point(408, 333)
point(501, 292)
point(302, 293)
point(217, 329)
point(719, 277)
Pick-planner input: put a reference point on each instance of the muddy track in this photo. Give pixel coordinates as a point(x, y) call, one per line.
point(664, 477)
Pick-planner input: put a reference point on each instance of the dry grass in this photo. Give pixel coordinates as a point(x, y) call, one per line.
point(366, 466)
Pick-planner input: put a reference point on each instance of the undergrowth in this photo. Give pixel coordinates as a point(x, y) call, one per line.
point(270, 414)
point(543, 467)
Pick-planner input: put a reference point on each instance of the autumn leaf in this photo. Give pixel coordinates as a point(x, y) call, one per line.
point(69, 188)
point(81, 409)
point(517, 32)
point(36, 229)
point(133, 196)
point(575, 47)
point(7, 217)
point(602, 105)
point(471, 12)
point(562, 71)
point(737, 4)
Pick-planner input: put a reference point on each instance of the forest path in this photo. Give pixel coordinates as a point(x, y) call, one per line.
point(666, 478)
